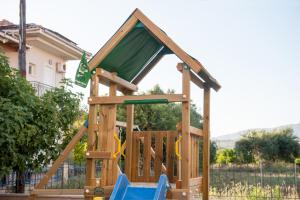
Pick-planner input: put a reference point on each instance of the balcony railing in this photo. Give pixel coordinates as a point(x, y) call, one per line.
point(40, 88)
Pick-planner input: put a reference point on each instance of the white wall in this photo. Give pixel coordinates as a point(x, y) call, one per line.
point(44, 72)
point(45, 67)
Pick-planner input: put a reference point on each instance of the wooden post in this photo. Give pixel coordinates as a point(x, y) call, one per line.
point(90, 165)
point(185, 146)
point(158, 155)
point(22, 38)
point(206, 142)
point(112, 114)
point(129, 141)
point(147, 157)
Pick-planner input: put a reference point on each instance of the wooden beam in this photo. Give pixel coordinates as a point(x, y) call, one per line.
point(107, 77)
point(178, 194)
point(185, 145)
point(110, 44)
point(40, 192)
point(147, 157)
point(129, 142)
point(99, 154)
point(111, 143)
point(90, 163)
point(193, 130)
point(124, 125)
point(89, 191)
point(61, 158)
point(163, 167)
point(195, 79)
point(196, 131)
point(118, 124)
point(206, 142)
point(170, 157)
point(121, 99)
point(158, 155)
point(196, 181)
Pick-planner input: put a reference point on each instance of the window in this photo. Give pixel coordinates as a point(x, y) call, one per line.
point(31, 69)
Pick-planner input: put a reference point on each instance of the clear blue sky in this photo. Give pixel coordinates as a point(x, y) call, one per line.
point(251, 46)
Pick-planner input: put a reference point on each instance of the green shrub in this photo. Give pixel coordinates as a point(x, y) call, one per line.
point(297, 161)
point(226, 156)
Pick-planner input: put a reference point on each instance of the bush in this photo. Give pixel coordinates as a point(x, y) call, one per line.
point(274, 145)
point(226, 156)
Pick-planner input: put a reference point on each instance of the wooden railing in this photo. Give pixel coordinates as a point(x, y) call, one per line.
point(154, 155)
point(196, 135)
point(194, 156)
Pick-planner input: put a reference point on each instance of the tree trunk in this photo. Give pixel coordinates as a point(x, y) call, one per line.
point(20, 181)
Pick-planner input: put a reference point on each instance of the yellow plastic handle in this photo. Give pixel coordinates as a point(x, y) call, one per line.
point(119, 145)
point(123, 149)
point(177, 147)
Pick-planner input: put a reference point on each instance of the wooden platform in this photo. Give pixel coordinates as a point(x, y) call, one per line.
point(65, 194)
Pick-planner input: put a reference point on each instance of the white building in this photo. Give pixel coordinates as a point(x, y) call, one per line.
point(46, 55)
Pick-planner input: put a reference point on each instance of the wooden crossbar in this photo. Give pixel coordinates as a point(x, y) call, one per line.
point(121, 99)
point(57, 192)
point(106, 77)
point(99, 154)
point(193, 130)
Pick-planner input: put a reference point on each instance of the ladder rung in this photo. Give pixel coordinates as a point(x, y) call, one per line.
point(99, 154)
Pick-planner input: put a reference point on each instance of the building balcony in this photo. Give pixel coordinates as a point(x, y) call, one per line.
point(40, 88)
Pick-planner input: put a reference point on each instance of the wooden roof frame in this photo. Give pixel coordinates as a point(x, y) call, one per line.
point(136, 16)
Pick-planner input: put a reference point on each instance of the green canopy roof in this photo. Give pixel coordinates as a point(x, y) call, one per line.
point(137, 49)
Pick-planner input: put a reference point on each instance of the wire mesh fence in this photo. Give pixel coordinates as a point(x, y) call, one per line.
point(253, 181)
point(70, 175)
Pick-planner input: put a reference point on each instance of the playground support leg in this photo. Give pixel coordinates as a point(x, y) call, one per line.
point(90, 166)
point(206, 142)
point(185, 162)
point(129, 141)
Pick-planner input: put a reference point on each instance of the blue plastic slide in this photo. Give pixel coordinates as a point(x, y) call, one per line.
point(125, 191)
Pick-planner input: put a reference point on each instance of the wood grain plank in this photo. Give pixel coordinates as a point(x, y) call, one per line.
point(185, 145)
point(206, 143)
point(147, 157)
point(107, 78)
point(158, 158)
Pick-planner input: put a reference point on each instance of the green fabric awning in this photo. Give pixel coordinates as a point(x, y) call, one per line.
point(133, 53)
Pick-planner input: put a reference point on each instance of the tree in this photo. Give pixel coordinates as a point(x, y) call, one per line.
point(226, 156)
point(33, 129)
point(273, 145)
point(159, 116)
point(213, 151)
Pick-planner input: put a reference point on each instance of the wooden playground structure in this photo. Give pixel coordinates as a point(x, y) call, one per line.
point(121, 64)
